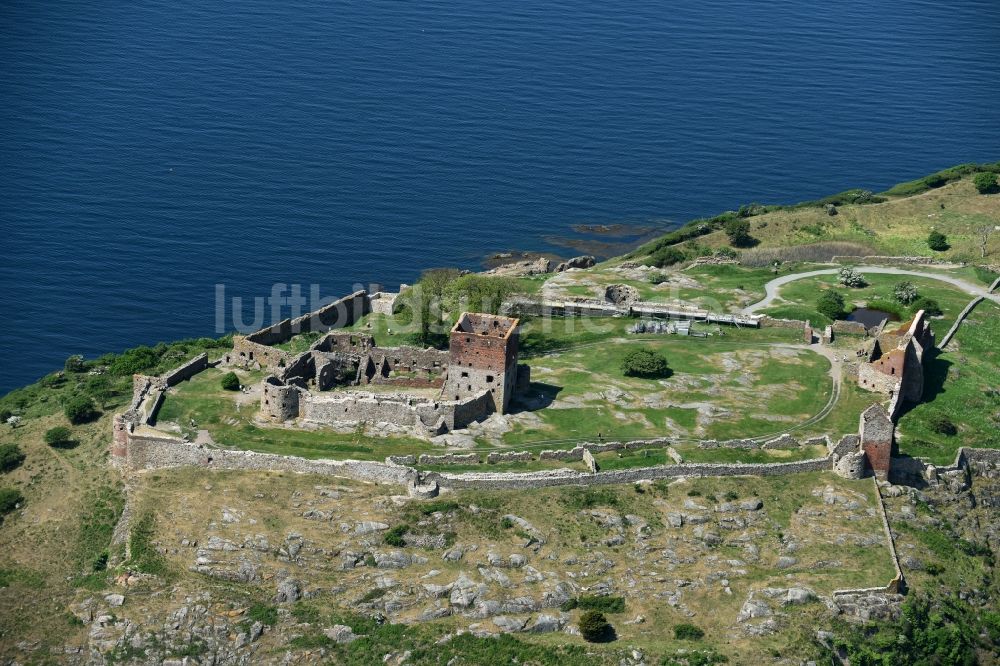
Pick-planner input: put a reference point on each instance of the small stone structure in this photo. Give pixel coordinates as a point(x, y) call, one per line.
point(893, 360)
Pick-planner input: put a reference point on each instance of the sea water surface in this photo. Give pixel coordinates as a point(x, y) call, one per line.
point(152, 150)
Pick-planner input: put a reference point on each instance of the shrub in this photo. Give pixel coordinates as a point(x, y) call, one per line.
point(5, 414)
point(74, 364)
point(599, 603)
point(10, 457)
point(937, 241)
point(80, 409)
point(850, 278)
point(395, 536)
point(984, 274)
point(594, 627)
point(666, 256)
point(230, 382)
point(645, 363)
point(738, 231)
point(986, 182)
point(9, 499)
point(687, 632)
point(831, 304)
point(59, 437)
point(905, 292)
point(942, 425)
point(134, 360)
point(263, 613)
point(928, 305)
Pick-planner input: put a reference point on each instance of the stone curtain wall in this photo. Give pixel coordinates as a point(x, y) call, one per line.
point(880, 259)
point(338, 314)
point(186, 371)
point(514, 481)
point(150, 452)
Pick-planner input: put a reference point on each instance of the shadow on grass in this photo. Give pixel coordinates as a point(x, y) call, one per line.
point(539, 396)
point(936, 369)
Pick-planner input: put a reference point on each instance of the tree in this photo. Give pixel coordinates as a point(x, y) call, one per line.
point(479, 293)
point(928, 305)
point(59, 437)
point(986, 182)
point(831, 304)
point(645, 363)
point(10, 457)
point(738, 231)
point(937, 241)
point(425, 300)
point(80, 409)
point(595, 628)
point(230, 382)
point(905, 292)
point(74, 364)
point(134, 360)
point(9, 499)
point(851, 278)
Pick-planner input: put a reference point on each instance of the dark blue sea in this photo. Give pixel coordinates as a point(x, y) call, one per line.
point(151, 150)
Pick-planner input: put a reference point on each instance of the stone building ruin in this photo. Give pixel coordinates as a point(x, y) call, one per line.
point(345, 377)
point(892, 361)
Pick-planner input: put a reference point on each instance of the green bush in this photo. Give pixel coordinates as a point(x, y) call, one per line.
point(928, 305)
point(134, 361)
point(885, 305)
point(9, 499)
point(74, 363)
point(395, 536)
point(831, 304)
point(937, 241)
point(230, 382)
point(5, 414)
point(595, 628)
point(986, 182)
point(10, 457)
point(597, 603)
point(645, 363)
point(59, 437)
point(985, 275)
point(263, 613)
point(81, 409)
point(688, 632)
point(905, 292)
point(738, 231)
point(666, 256)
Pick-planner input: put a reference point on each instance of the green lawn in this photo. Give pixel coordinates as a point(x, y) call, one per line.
point(202, 399)
point(797, 300)
point(721, 387)
point(962, 384)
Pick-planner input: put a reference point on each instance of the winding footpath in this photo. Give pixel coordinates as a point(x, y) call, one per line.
point(771, 288)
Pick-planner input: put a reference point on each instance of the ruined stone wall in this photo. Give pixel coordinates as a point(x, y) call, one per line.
point(471, 410)
point(509, 456)
point(300, 369)
point(186, 371)
point(872, 377)
point(147, 452)
point(449, 459)
point(513, 481)
point(249, 354)
point(877, 432)
point(852, 327)
point(363, 407)
point(351, 343)
point(771, 322)
point(340, 313)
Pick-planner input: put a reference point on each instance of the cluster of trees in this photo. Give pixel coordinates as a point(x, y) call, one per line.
point(442, 294)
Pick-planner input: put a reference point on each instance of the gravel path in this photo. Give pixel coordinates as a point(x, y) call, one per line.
point(771, 288)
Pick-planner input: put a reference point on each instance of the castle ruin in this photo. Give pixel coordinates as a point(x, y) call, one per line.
point(893, 359)
point(345, 377)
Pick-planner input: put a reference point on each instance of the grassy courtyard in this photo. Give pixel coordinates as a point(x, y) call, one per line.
point(719, 388)
point(797, 300)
